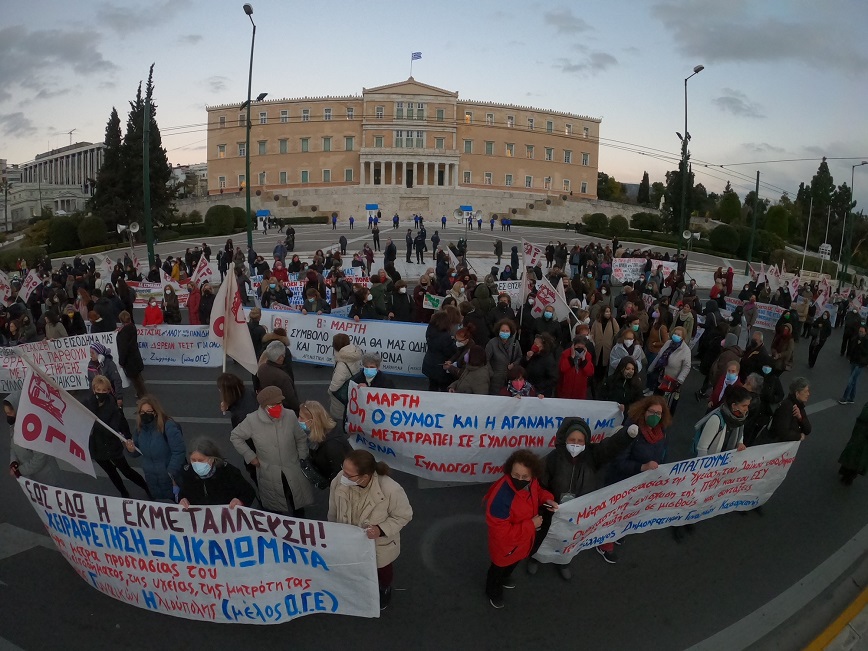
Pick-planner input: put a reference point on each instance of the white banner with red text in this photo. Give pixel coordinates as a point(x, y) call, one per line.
point(767, 314)
point(671, 495)
point(210, 563)
point(632, 269)
point(461, 437)
point(401, 346)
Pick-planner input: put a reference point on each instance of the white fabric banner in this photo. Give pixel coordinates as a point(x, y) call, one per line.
point(63, 360)
point(531, 254)
point(51, 421)
point(182, 345)
point(674, 494)
point(400, 345)
point(31, 282)
point(146, 291)
point(210, 563)
point(5, 288)
point(767, 314)
point(204, 271)
point(229, 325)
point(461, 437)
point(632, 269)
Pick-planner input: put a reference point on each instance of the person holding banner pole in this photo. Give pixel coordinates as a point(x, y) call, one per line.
point(513, 507)
point(37, 466)
point(363, 495)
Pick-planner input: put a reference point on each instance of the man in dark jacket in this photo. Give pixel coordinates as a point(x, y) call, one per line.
point(206, 303)
point(852, 321)
point(271, 374)
point(409, 240)
point(257, 332)
point(129, 357)
point(419, 243)
point(858, 361)
point(790, 422)
point(503, 310)
point(390, 253)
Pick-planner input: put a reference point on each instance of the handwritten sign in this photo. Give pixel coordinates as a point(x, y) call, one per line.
point(167, 345)
point(146, 291)
point(632, 269)
point(458, 437)
point(210, 563)
point(400, 345)
point(674, 494)
point(63, 360)
point(767, 314)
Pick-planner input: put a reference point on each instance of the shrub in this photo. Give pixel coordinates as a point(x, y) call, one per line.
point(240, 217)
point(724, 238)
point(646, 221)
point(8, 257)
point(619, 226)
point(92, 231)
point(596, 222)
point(195, 217)
point(63, 234)
point(219, 220)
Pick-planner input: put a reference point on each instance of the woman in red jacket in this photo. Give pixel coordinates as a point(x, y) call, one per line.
point(153, 314)
point(513, 505)
point(576, 368)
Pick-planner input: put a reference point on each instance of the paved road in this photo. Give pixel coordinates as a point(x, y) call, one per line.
point(660, 595)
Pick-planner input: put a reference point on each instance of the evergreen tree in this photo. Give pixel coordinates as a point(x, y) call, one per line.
point(110, 200)
point(822, 189)
point(644, 196)
point(672, 208)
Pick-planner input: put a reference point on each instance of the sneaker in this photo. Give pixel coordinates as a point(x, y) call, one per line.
point(647, 392)
point(532, 566)
point(509, 584)
point(850, 402)
point(842, 401)
point(609, 557)
point(496, 603)
point(564, 571)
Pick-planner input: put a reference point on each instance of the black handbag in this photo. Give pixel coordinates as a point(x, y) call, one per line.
point(313, 475)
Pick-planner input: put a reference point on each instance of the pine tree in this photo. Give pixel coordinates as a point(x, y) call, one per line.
point(644, 196)
point(672, 207)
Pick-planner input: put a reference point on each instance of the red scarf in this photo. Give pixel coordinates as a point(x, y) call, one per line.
point(652, 434)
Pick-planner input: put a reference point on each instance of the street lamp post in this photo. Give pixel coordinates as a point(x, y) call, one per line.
point(684, 157)
point(6, 186)
point(846, 259)
point(248, 9)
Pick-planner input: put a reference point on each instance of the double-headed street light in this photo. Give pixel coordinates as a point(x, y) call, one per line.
point(846, 259)
point(684, 156)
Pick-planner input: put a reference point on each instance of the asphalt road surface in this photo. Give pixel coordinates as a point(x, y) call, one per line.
point(660, 595)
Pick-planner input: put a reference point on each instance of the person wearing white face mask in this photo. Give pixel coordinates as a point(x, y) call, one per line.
point(571, 469)
point(209, 479)
point(363, 495)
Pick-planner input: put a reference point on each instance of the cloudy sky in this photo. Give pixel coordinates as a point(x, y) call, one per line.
point(783, 79)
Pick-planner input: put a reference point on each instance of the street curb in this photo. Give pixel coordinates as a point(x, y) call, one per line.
point(827, 638)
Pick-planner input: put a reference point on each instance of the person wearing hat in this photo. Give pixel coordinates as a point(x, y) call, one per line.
point(281, 446)
point(102, 363)
point(272, 374)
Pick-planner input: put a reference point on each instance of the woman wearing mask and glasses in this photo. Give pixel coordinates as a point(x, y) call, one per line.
point(364, 495)
point(281, 445)
point(209, 479)
point(161, 445)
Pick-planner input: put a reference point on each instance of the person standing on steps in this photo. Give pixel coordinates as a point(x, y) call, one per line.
point(352, 221)
point(409, 240)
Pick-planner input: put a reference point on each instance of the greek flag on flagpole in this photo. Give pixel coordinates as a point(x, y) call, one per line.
point(415, 56)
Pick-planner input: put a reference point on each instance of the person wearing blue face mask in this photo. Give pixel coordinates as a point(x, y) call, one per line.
point(671, 367)
point(273, 292)
point(328, 445)
point(209, 479)
point(728, 379)
point(503, 352)
point(370, 374)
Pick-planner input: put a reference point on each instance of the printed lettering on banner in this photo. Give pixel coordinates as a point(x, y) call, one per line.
point(545, 296)
point(63, 360)
point(532, 254)
point(210, 563)
point(181, 345)
point(31, 282)
point(204, 271)
point(458, 437)
point(50, 421)
point(511, 287)
point(767, 314)
point(632, 269)
point(401, 346)
point(5, 288)
point(671, 495)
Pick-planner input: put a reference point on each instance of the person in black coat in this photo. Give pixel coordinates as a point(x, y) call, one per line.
point(409, 240)
point(238, 401)
point(257, 332)
point(400, 305)
point(328, 446)
point(513, 262)
point(72, 321)
point(390, 253)
point(370, 374)
point(364, 308)
point(503, 310)
point(541, 365)
point(206, 303)
point(210, 480)
point(129, 357)
point(820, 331)
point(790, 422)
point(440, 348)
point(474, 321)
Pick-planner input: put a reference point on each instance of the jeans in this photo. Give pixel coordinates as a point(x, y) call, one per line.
point(850, 391)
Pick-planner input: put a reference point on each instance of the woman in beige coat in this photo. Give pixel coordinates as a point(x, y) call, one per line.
point(348, 361)
point(603, 334)
point(365, 496)
point(281, 444)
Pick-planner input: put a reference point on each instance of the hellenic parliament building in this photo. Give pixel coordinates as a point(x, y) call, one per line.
point(407, 147)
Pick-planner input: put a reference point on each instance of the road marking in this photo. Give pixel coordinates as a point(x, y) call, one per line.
point(767, 618)
point(820, 406)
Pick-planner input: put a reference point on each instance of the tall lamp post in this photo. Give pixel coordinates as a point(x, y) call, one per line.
point(846, 259)
point(684, 156)
point(248, 9)
point(6, 187)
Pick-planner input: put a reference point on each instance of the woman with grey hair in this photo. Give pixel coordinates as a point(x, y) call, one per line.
point(790, 422)
point(210, 479)
point(370, 374)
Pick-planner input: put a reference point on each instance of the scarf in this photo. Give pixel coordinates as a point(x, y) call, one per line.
point(523, 392)
point(652, 434)
point(664, 356)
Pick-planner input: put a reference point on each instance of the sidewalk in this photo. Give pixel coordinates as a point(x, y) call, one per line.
point(847, 633)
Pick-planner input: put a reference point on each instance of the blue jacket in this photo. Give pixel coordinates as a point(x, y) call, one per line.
point(163, 455)
point(631, 460)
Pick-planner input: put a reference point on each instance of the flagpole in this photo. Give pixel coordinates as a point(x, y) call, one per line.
point(411, 65)
point(226, 315)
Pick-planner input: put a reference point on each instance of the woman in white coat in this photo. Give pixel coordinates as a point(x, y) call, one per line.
point(280, 444)
point(348, 362)
point(364, 495)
